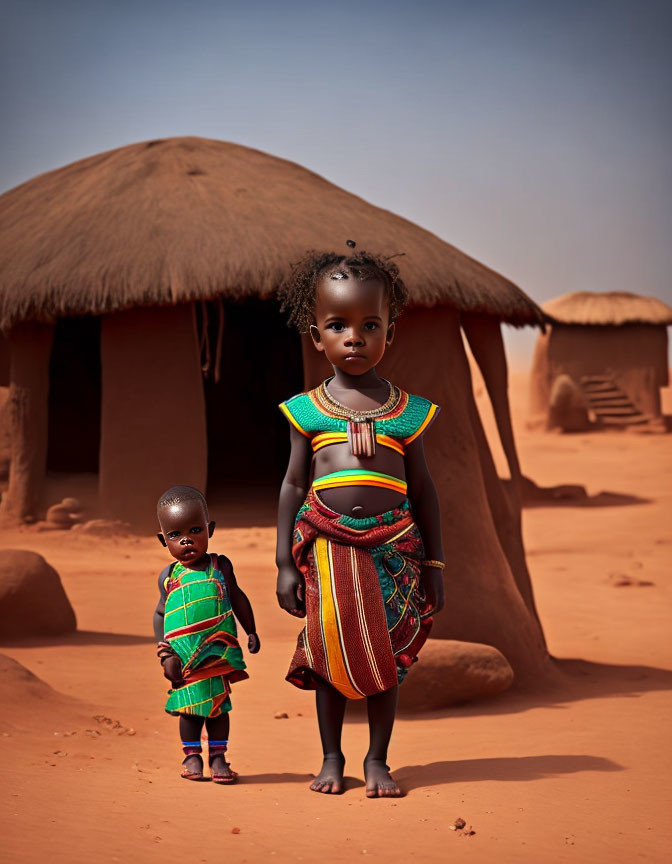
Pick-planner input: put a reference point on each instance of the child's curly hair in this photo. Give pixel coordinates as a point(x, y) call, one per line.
point(297, 294)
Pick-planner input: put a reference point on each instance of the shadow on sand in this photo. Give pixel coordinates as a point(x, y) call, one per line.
point(78, 637)
point(569, 495)
point(570, 681)
point(602, 499)
point(251, 779)
point(573, 681)
point(505, 768)
point(500, 768)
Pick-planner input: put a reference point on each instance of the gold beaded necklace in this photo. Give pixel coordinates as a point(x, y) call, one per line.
point(361, 426)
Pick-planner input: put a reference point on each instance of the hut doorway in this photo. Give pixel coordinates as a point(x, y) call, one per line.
point(75, 396)
point(252, 361)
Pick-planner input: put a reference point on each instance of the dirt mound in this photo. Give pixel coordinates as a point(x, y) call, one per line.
point(32, 599)
point(568, 408)
point(449, 672)
point(27, 697)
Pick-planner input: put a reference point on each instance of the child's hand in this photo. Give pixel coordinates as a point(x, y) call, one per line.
point(253, 643)
point(290, 591)
point(171, 663)
point(172, 669)
point(164, 650)
point(432, 582)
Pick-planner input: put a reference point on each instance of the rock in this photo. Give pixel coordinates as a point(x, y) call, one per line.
point(449, 672)
point(568, 407)
point(32, 599)
point(66, 514)
point(281, 715)
point(532, 493)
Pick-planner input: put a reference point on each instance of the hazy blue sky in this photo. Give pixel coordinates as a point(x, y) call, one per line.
point(532, 135)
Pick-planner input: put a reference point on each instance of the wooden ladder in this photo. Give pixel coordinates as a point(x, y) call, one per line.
point(609, 403)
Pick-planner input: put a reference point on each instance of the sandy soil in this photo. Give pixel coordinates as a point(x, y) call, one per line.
point(577, 775)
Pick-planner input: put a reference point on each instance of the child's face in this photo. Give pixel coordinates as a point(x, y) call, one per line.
point(352, 323)
point(185, 530)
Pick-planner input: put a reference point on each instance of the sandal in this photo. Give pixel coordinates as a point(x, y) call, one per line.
point(223, 779)
point(188, 774)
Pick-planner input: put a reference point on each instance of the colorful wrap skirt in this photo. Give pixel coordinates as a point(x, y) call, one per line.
point(366, 613)
point(200, 627)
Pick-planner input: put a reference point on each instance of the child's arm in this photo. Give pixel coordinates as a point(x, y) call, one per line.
point(172, 667)
point(157, 620)
point(425, 506)
point(290, 585)
point(242, 608)
point(160, 610)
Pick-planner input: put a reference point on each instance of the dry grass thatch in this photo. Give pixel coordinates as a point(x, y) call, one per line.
point(609, 308)
point(183, 218)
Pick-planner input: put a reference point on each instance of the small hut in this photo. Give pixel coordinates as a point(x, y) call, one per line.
point(124, 275)
point(613, 347)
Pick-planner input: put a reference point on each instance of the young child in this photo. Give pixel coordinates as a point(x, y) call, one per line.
point(196, 632)
point(360, 555)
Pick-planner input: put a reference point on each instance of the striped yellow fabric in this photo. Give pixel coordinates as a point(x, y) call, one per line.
point(326, 438)
point(358, 477)
point(330, 618)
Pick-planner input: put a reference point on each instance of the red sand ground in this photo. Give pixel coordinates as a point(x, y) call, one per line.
point(577, 775)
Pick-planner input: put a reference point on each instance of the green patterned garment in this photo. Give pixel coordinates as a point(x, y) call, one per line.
point(404, 422)
point(200, 628)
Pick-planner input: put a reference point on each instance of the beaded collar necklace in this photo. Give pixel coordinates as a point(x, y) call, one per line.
point(361, 426)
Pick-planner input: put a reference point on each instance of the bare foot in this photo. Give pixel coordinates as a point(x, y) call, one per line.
point(330, 778)
point(379, 783)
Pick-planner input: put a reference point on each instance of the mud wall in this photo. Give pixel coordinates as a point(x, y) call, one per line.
point(27, 407)
point(153, 412)
point(635, 355)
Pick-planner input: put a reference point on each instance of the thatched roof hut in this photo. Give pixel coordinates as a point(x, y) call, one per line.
point(613, 345)
point(100, 264)
point(169, 221)
point(608, 309)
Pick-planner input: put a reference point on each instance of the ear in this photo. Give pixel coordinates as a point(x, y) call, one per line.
point(162, 539)
point(315, 336)
point(211, 529)
point(390, 334)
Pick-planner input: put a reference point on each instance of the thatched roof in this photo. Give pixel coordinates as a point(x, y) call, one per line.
point(609, 308)
point(185, 218)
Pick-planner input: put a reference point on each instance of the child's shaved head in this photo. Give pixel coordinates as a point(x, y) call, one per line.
point(180, 495)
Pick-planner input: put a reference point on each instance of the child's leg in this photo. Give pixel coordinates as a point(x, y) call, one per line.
point(330, 713)
point(218, 739)
point(190, 733)
point(381, 710)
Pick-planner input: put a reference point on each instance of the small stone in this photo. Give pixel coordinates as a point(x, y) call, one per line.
point(235, 830)
point(281, 715)
point(458, 824)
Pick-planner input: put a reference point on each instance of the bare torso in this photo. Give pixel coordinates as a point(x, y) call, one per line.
point(359, 501)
